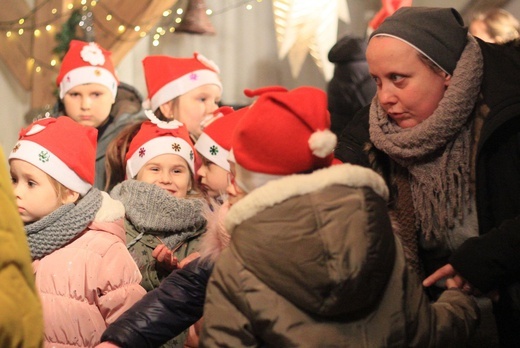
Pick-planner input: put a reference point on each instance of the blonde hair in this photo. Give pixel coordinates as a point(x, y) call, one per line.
point(60, 189)
point(499, 24)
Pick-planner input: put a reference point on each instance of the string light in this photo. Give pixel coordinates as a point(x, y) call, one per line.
point(28, 24)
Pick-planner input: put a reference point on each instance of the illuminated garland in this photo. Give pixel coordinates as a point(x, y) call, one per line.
point(25, 26)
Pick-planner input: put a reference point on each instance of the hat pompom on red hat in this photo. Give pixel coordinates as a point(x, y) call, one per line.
point(156, 137)
point(282, 133)
point(62, 148)
point(84, 63)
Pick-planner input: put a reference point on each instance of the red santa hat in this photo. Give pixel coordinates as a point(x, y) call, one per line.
point(283, 132)
point(215, 141)
point(156, 137)
point(86, 62)
point(169, 77)
point(62, 148)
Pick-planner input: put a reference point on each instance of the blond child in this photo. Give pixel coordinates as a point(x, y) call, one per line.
point(84, 275)
point(88, 87)
point(184, 89)
point(213, 146)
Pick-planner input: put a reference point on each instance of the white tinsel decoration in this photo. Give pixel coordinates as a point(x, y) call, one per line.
point(322, 143)
point(173, 124)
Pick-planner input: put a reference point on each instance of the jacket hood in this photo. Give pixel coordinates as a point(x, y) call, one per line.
point(321, 240)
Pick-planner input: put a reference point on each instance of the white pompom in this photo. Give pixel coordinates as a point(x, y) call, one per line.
point(174, 124)
point(322, 143)
point(146, 104)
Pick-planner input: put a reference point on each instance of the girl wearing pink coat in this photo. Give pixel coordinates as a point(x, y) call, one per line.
point(84, 274)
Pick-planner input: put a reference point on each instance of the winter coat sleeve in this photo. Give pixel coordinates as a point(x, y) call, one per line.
point(351, 143)
point(448, 322)
point(21, 318)
point(491, 260)
point(119, 283)
point(164, 312)
point(224, 299)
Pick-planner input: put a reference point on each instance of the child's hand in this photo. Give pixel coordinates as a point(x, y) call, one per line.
point(165, 258)
point(188, 259)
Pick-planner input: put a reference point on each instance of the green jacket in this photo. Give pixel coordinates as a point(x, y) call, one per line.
point(21, 318)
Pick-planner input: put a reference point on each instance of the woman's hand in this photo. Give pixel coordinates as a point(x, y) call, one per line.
point(165, 258)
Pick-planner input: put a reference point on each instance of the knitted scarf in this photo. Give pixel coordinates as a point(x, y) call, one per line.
point(62, 225)
point(437, 152)
point(152, 210)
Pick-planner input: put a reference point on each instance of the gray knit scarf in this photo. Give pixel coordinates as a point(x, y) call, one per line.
point(62, 225)
point(152, 210)
point(437, 152)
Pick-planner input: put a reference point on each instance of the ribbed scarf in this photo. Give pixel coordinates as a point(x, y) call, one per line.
point(62, 225)
point(152, 210)
point(437, 152)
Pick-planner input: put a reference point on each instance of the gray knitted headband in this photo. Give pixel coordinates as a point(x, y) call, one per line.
point(438, 33)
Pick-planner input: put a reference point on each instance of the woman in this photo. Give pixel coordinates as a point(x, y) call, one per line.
point(443, 130)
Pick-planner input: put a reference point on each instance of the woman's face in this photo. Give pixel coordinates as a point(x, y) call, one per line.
point(193, 106)
point(169, 172)
point(408, 90)
point(88, 104)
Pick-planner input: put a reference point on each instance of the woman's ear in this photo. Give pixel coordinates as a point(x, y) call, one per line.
point(69, 196)
point(447, 80)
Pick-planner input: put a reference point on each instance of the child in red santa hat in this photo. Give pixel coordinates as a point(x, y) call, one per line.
point(313, 260)
point(88, 86)
point(184, 89)
point(213, 146)
point(84, 274)
point(162, 202)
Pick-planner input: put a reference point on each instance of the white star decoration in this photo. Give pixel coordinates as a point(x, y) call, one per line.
point(308, 27)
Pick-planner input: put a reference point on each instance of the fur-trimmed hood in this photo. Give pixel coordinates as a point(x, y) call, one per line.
point(322, 240)
point(290, 186)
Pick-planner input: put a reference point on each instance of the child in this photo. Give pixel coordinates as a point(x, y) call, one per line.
point(88, 88)
point(313, 260)
point(213, 146)
point(184, 89)
point(84, 275)
point(160, 176)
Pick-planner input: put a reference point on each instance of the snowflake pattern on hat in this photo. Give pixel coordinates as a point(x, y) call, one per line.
point(142, 152)
point(44, 156)
point(213, 150)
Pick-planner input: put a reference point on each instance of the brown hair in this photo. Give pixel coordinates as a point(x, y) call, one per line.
point(115, 162)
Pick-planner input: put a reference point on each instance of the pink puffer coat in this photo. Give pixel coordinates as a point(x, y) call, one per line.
point(89, 283)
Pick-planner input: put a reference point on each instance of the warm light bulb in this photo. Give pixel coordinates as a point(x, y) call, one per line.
point(70, 6)
point(249, 7)
point(108, 17)
point(142, 34)
point(8, 34)
point(121, 28)
point(54, 11)
point(37, 33)
point(21, 21)
point(20, 31)
point(48, 27)
point(38, 69)
point(209, 12)
point(155, 43)
point(54, 62)
point(180, 11)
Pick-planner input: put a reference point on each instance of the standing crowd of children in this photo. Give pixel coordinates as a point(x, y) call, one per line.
point(187, 223)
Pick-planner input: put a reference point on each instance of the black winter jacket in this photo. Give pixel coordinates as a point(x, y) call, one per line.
point(164, 312)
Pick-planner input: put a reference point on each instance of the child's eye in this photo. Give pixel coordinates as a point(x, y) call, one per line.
point(31, 183)
point(13, 180)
